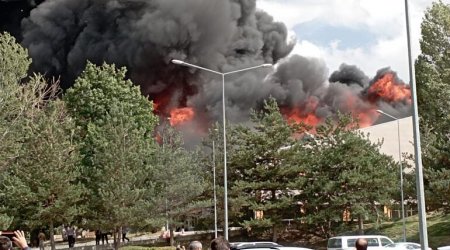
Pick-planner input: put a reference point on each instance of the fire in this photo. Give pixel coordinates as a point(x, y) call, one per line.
point(388, 89)
point(367, 118)
point(304, 114)
point(365, 114)
point(181, 115)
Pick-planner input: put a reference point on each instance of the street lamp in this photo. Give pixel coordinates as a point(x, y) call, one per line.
point(417, 150)
point(401, 170)
point(225, 182)
point(214, 188)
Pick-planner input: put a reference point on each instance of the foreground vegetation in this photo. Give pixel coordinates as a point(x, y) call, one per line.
point(89, 157)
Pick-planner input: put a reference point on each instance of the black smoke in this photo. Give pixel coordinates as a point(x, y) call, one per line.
point(223, 35)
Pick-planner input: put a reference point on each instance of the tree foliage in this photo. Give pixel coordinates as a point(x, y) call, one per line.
point(38, 159)
point(179, 180)
point(433, 87)
point(102, 101)
point(261, 174)
point(122, 169)
point(341, 179)
point(277, 173)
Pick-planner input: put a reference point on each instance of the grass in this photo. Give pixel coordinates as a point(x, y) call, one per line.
point(438, 227)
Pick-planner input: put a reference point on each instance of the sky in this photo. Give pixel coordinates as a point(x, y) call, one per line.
point(370, 34)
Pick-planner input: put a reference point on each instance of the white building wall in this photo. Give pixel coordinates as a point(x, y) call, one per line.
point(388, 132)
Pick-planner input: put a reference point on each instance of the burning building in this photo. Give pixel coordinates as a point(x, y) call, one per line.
point(223, 35)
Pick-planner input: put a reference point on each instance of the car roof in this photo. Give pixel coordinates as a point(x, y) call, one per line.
point(255, 244)
point(256, 247)
point(357, 236)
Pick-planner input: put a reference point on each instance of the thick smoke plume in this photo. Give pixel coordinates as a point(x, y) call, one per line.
point(223, 35)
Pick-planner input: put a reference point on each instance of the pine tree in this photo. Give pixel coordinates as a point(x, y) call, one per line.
point(433, 88)
point(261, 173)
point(346, 176)
point(101, 101)
point(179, 179)
point(40, 187)
point(122, 167)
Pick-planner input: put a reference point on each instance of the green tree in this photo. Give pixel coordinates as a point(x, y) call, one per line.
point(122, 168)
point(345, 173)
point(433, 87)
point(179, 179)
point(101, 99)
point(14, 98)
point(36, 149)
point(40, 187)
point(261, 173)
point(14, 64)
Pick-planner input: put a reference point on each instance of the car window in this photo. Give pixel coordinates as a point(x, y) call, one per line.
point(372, 242)
point(334, 243)
point(385, 241)
point(351, 242)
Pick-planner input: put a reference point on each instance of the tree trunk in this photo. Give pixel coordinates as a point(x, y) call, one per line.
point(120, 234)
point(172, 240)
point(52, 236)
point(274, 233)
point(116, 243)
point(360, 225)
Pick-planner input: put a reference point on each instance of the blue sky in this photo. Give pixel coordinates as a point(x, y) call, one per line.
point(370, 34)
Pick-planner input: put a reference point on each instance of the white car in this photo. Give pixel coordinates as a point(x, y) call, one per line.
point(262, 245)
point(404, 246)
point(253, 245)
point(375, 242)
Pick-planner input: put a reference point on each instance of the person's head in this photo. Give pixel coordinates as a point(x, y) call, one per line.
point(5, 243)
point(361, 244)
point(195, 245)
point(220, 244)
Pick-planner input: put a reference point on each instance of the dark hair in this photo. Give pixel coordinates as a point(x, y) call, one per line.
point(361, 244)
point(220, 244)
point(5, 243)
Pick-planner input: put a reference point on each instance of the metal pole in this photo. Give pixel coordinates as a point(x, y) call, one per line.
point(401, 170)
point(183, 63)
point(214, 188)
point(401, 180)
point(225, 179)
point(417, 149)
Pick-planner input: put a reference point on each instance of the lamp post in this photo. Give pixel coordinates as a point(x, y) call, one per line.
point(225, 182)
point(401, 170)
point(417, 150)
point(214, 188)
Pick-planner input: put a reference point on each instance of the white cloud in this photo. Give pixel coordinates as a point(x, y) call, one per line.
point(383, 18)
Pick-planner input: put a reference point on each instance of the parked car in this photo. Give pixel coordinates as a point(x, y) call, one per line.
point(444, 248)
point(253, 245)
point(375, 242)
point(404, 246)
point(262, 245)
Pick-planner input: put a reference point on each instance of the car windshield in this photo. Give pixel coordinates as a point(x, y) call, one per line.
point(334, 243)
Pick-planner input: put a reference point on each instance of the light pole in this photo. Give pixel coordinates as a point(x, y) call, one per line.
point(225, 182)
point(401, 170)
point(214, 188)
point(417, 150)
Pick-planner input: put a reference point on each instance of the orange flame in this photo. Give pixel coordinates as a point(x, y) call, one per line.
point(181, 115)
point(388, 89)
point(305, 114)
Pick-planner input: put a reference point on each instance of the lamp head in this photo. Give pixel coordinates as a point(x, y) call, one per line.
point(178, 62)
